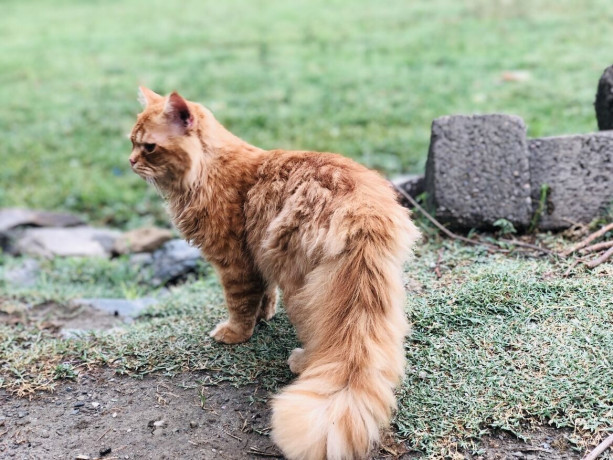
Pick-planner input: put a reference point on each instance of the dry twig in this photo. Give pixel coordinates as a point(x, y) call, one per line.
point(588, 240)
point(603, 258)
point(604, 445)
point(455, 236)
point(597, 247)
point(103, 435)
point(261, 453)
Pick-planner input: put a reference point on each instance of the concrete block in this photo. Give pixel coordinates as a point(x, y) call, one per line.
point(579, 172)
point(477, 170)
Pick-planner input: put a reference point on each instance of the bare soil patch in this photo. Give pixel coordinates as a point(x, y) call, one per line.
point(104, 415)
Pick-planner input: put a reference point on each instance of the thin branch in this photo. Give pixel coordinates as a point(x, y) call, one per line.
point(529, 246)
point(572, 266)
point(603, 258)
point(597, 247)
point(604, 445)
point(588, 240)
point(436, 223)
point(455, 236)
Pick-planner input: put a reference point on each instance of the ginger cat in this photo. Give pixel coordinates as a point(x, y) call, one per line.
point(324, 229)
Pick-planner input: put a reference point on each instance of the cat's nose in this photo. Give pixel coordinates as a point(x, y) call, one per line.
point(132, 161)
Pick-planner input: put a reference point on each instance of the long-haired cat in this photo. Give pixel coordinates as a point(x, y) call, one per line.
point(325, 230)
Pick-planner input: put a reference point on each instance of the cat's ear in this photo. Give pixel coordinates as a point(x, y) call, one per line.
point(147, 97)
point(178, 112)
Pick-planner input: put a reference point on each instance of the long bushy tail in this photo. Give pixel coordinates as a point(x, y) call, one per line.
point(353, 310)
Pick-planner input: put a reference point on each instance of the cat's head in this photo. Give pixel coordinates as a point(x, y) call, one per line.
point(166, 149)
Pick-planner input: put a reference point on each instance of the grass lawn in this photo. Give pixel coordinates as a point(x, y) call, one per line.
point(498, 341)
point(356, 77)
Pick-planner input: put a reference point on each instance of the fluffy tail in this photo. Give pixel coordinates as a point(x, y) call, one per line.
point(353, 327)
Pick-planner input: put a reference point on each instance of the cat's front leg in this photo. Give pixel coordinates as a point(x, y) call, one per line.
point(243, 291)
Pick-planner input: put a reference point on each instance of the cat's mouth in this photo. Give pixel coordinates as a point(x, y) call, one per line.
point(144, 173)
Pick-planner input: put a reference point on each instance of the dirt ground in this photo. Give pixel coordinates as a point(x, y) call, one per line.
point(106, 416)
point(103, 415)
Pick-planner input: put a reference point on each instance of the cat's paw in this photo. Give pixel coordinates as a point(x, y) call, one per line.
point(226, 332)
point(297, 361)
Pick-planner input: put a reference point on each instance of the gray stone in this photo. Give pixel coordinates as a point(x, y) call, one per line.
point(604, 100)
point(174, 260)
point(413, 185)
point(477, 170)
point(141, 259)
point(15, 217)
point(579, 171)
point(24, 274)
point(75, 241)
point(116, 307)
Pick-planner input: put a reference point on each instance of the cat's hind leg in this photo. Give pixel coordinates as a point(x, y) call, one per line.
point(268, 306)
point(244, 292)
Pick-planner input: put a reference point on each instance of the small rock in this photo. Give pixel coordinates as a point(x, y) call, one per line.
point(413, 185)
point(145, 239)
point(79, 404)
point(193, 424)
point(82, 457)
point(67, 242)
point(95, 405)
point(141, 259)
point(105, 451)
point(116, 307)
point(173, 260)
point(160, 424)
point(15, 217)
point(25, 274)
point(22, 414)
point(44, 434)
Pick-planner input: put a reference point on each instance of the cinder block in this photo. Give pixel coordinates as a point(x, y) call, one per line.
point(579, 171)
point(477, 170)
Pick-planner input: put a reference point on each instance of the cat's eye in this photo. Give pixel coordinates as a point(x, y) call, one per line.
point(149, 148)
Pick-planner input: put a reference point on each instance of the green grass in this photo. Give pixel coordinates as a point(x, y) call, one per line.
point(498, 342)
point(361, 78)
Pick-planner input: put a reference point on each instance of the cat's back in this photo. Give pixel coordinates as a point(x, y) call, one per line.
point(327, 176)
point(307, 204)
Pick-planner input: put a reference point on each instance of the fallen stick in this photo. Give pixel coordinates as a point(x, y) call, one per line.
point(603, 258)
point(593, 455)
point(588, 240)
point(597, 247)
point(573, 265)
point(529, 246)
point(455, 236)
point(436, 223)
